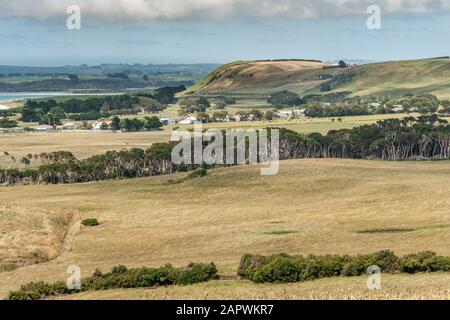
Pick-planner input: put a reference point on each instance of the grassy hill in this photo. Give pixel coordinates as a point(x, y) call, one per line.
point(388, 78)
point(311, 206)
point(259, 77)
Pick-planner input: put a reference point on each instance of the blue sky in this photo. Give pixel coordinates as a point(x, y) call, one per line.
point(31, 39)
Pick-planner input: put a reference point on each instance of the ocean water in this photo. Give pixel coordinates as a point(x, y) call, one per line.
point(7, 97)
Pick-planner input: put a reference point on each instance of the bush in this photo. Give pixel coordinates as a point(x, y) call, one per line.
point(91, 222)
point(199, 173)
point(285, 268)
point(196, 273)
point(121, 277)
point(250, 264)
point(279, 270)
point(424, 262)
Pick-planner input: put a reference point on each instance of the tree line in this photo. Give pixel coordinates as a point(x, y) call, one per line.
point(425, 137)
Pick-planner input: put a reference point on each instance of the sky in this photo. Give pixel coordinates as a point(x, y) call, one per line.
point(34, 32)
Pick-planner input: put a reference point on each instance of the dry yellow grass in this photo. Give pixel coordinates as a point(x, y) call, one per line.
point(30, 235)
point(233, 211)
point(82, 144)
point(394, 287)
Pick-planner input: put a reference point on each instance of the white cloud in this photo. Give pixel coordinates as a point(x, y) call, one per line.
point(141, 10)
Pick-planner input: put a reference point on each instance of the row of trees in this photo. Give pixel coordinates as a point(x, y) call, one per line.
point(425, 137)
point(6, 123)
point(52, 111)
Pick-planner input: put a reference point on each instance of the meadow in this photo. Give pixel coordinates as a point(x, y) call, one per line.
point(311, 207)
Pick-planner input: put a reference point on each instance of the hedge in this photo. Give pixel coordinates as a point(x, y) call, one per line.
point(121, 277)
point(283, 268)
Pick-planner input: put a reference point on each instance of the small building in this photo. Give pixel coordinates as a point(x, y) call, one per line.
point(99, 125)
point(398, 108)
point(285, 114)
point(167, 121)
point(189, 120)
point(238, 117)
point(70, 126)
point(17, 130)
point(44, 128)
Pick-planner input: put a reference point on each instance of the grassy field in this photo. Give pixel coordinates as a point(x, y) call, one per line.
point(399, 287)
point(311, 206)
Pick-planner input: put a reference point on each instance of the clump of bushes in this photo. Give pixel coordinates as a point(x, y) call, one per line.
point(122, 277)
point(198, 173)
point(90, 222)
point(283, 268)
point(424, 262)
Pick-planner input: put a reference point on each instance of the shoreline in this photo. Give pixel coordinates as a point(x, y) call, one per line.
point(19, 97)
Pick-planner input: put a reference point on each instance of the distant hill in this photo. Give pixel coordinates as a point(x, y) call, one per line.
point(116, 77)
point(259, 77)
point(304, 77)
point(109, 68)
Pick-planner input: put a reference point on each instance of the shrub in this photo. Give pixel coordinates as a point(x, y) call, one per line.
point(424, 262)
point(280, 269)
point(39, 290)
point(199, 173)
point(249, 264)
point(285, 268)
point(91, 222)
point(121, 277)
point(196, 273)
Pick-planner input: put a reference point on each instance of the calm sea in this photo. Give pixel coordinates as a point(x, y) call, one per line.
point(6, 96)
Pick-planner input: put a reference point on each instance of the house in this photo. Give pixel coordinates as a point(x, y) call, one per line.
point(70, 126)
point(238, 117)
point(398, 108)
point(98, 125)
point(12, 130)
point(44, 128)
point(167, 121)
point(285, 114)
point(17, 130)
point(189, 120)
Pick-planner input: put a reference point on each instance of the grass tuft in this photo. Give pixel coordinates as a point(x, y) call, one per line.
point(280, 232)
point(386, 230)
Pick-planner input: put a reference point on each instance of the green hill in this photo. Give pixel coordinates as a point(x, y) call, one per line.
point(393, 78)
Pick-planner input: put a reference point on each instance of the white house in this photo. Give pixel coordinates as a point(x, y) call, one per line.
point(189, 120)
point(68, 126)
point(285, 114)
point(398, 108)
point(44, 128)
point(238, 117)
point(96, 126)
point(167, 121)
point(299, 113)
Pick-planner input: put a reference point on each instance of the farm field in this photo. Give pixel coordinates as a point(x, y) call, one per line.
point(85, 144)
point(311, 207)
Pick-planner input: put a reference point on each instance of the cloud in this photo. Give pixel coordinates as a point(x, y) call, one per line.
point(173, 10)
